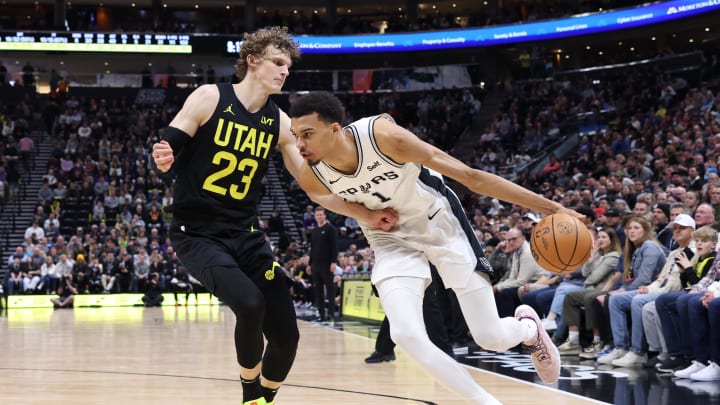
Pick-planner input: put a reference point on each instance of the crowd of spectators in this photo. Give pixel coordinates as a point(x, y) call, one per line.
point(98, 217)
point(651, 132)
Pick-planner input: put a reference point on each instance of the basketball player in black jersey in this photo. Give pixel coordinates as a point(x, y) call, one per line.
point(218, 145)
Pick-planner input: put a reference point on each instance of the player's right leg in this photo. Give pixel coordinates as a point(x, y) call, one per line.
point(402, 300)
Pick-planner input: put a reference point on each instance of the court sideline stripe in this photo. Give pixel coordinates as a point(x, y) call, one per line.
point(211, 379)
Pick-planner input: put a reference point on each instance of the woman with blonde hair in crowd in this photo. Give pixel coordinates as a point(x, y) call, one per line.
point(49, 277)
point(643, 258)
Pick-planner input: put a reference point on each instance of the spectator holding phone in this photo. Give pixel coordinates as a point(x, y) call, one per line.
point(672, 308)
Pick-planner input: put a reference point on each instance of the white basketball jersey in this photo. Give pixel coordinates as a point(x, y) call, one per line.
point(432, 226)
point(378, 182)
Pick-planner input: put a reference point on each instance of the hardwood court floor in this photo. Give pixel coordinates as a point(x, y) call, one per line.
point(186, 355)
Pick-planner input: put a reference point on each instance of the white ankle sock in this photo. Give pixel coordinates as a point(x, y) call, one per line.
point(531, 331)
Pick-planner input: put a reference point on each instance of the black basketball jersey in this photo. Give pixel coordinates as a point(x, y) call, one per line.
point(221, 169)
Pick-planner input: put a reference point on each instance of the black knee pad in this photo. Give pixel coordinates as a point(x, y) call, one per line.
point(279, 356)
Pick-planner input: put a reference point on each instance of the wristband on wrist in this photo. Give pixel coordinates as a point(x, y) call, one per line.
point(177, 139)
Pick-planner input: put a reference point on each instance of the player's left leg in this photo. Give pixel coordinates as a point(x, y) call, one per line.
point(499, 334)
point(281, 331)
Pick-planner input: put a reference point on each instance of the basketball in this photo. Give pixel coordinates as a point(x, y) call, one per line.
point(560, 243)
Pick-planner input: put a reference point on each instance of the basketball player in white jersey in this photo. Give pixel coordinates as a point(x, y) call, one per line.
point(381, 165)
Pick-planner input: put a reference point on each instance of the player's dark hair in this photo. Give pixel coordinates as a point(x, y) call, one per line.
point(328, 107)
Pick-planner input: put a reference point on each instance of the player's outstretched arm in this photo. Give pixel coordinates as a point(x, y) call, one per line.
point(403, 146)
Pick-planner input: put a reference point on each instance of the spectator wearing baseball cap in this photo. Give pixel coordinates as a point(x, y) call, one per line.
point(614, 219)
point(526, 224)
point(600, 219)
point(632, 303)
point(613, 212)
point(684, 220)
point(531, 217)
point(661, 219)
point(673, 307)
point(589, 214)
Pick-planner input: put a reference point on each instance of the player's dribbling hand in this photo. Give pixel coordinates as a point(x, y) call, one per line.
point(571, 212)
point(384, 219)
point(163, 156)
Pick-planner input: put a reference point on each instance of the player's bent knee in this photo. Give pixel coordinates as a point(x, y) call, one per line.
point(409, 340)
point(248, 306)
point(287, 341)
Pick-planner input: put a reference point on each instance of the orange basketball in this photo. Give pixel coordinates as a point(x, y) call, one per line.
point(560, 243)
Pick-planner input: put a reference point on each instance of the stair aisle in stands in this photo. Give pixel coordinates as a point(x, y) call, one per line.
point(276, 199)
point(18, 214)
